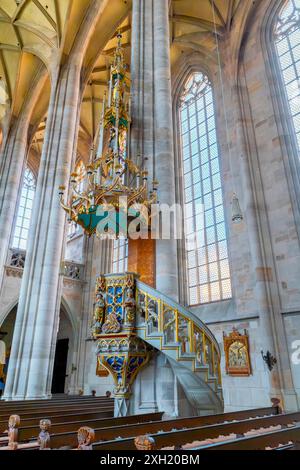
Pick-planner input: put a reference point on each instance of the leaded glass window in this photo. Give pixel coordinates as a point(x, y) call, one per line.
point(24, 211)
point(287, 39)
point(207, 262)
point(120, 255)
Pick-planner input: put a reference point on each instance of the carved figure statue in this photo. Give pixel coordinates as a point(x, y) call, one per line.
point(121, 389)
point(13, 427)
point(169, 328)
point(99, 314)
point(141, 307)
point(130, 306)
point(112, 139)
point(144, 443)
point(184, 341)
point(198, 347)
point(44, 436)
point(86, 437)
point(152, 320)
point(111, 325)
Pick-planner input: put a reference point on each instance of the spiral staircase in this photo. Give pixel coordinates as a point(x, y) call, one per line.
point(192, 351)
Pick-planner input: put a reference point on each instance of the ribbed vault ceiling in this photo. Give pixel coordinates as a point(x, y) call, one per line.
point(32, 31)
point(192, 28)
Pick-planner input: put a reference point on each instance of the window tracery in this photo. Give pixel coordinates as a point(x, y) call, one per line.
point(207, 264)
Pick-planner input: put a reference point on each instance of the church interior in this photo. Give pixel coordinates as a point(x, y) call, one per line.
point(149, 225)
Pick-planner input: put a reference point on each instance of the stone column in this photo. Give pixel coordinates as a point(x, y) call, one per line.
point(152, 132)
point(98, 256)
point(32, 354)
point(30, 373)
point(12, 161)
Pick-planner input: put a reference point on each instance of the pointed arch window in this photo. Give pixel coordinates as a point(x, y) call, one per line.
point(287, 40)
point(120, 256)
point(207, 265)
point(24, 211)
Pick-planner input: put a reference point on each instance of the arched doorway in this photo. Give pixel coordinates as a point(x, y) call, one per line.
point(63, 355)
point(6, 336)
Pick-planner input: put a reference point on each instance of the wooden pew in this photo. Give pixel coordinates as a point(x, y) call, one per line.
point(59, 398)
point(63, 434)
point(198, 425)
point(27, 413)
point(68, 425)
point(68, 412)
point(58, 417)
point(272, 440)
point(53, 399)
point(70, 438)
point(51, 403)
point(179, 437)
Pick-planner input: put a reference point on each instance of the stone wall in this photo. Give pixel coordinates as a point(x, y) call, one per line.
point(264, 248)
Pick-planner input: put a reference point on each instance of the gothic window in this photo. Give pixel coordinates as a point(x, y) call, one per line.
point(120, 255)
point(287, 39)
point(24, 211)
point(206, 251)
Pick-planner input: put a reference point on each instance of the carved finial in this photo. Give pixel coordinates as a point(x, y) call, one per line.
point(44, 436)
point(86, 437)
point(144, 443)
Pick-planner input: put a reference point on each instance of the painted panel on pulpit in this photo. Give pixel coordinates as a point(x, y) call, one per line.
point(237, 357)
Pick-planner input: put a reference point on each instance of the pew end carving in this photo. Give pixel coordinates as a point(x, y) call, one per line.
point(13, 430)
point(86, 437)
point(144, 443)
point(44, 436)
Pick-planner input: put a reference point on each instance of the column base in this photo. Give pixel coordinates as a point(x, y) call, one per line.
point(121, 407)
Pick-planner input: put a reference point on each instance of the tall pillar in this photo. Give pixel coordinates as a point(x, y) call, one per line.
point(31, 361)
point(98, 257)
point(35, 333)
point(152, 132)
point(13, 158)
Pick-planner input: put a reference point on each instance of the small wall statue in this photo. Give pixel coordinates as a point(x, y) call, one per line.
point(99, 314)
point(237, 357)
point(152, 318)
point(169, 327)
point(130, 306)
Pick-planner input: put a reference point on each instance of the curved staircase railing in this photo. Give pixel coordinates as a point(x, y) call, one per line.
point(181, 335)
